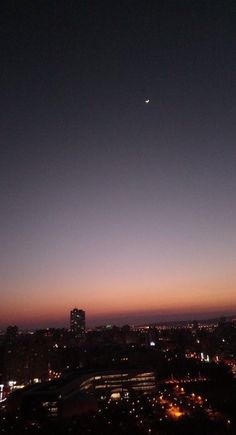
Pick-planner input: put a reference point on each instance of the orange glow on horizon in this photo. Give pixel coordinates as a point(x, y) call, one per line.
point(49, 299)
point(185, 298)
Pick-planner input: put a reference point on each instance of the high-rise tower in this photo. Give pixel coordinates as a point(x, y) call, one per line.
point(77, 321)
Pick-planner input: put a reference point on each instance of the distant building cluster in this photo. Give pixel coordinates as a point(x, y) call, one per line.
point(156, 377)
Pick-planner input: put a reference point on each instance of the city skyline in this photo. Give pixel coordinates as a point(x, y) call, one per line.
point(117, 169)
point(133, 319)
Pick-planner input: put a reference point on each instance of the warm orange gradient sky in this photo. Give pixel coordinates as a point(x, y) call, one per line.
point(121, 300)
point(124, 209)
point(120, 263)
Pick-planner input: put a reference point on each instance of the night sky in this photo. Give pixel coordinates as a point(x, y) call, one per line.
point(122, 208)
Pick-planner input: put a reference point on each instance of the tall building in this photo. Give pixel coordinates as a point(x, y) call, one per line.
point(77, 321)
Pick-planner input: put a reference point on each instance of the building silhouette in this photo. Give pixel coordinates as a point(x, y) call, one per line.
point(77, 321)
